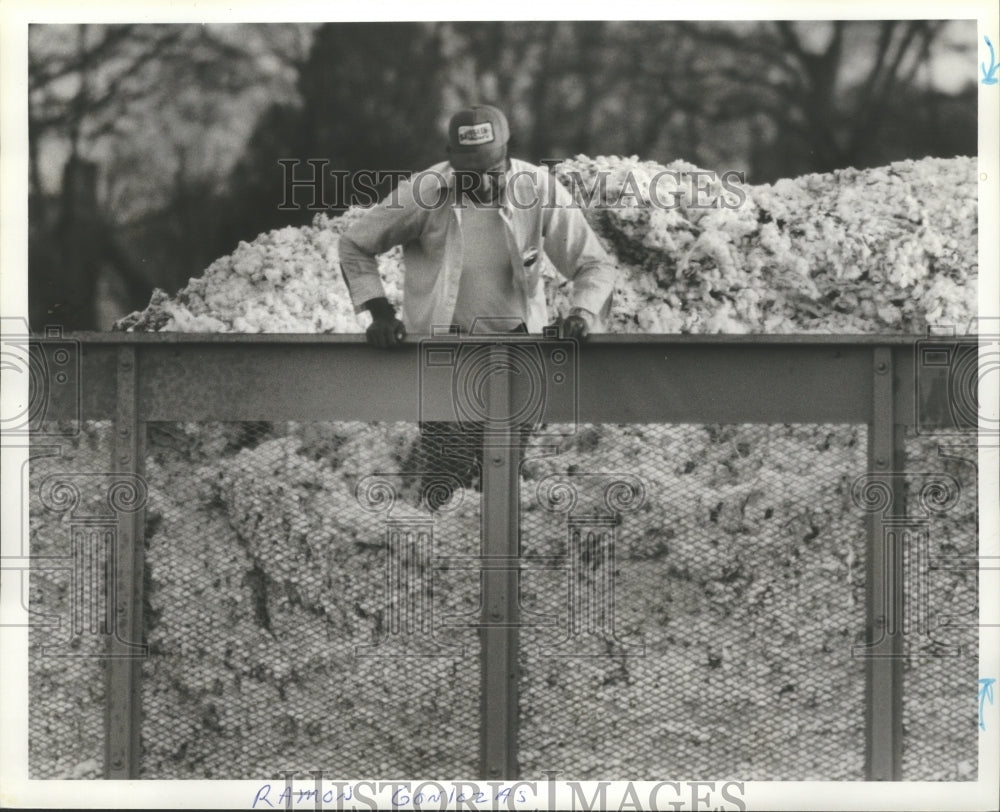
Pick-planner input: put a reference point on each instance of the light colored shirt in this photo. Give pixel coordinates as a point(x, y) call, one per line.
point(486, 288)
point(424, 216)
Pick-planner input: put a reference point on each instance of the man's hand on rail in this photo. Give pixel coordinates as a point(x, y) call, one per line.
point(576, 325)
point(385, 330)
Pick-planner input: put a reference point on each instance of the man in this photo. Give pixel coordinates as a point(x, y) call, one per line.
point(473, 229)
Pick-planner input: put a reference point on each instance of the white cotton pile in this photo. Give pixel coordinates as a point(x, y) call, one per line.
point(285, 281)
point(891, 249)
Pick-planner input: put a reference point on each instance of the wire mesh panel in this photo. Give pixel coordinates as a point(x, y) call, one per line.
point(72, 528)
point(297, 616)
point(690, 596)
point(695, 619)
point(941, 640)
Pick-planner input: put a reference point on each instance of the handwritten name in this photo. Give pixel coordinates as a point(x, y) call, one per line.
point(367, 793)
point(699, 796)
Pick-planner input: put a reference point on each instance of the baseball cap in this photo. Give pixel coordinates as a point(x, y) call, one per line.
point(477, 137)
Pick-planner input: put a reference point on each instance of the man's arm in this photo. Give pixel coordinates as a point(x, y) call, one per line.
point(396, 220)
point(576, 252)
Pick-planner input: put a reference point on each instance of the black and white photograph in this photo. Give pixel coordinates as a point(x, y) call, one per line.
point(693, 506)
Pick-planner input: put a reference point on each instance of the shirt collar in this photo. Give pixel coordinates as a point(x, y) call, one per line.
point(447, 172)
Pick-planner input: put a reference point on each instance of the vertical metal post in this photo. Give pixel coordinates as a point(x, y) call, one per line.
point(124, 663)
point(499, 622)
point(884, 699)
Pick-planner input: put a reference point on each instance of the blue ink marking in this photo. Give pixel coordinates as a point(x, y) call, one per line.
point(985, 695)
point(990, 74)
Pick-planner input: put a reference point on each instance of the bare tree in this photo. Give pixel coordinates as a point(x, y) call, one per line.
point(152, 111)
point(828, 94)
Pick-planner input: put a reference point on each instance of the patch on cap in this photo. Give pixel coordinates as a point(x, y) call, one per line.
point(472, 135)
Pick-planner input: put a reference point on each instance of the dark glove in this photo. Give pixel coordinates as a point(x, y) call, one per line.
point(385, 330)
point(575, 325)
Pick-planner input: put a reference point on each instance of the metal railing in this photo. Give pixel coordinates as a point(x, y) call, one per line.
point(883, 382)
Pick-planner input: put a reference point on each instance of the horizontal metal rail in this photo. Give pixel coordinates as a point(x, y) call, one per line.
point(619, 378)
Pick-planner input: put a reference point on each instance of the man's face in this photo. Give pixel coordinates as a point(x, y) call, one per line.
point(483, 185)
